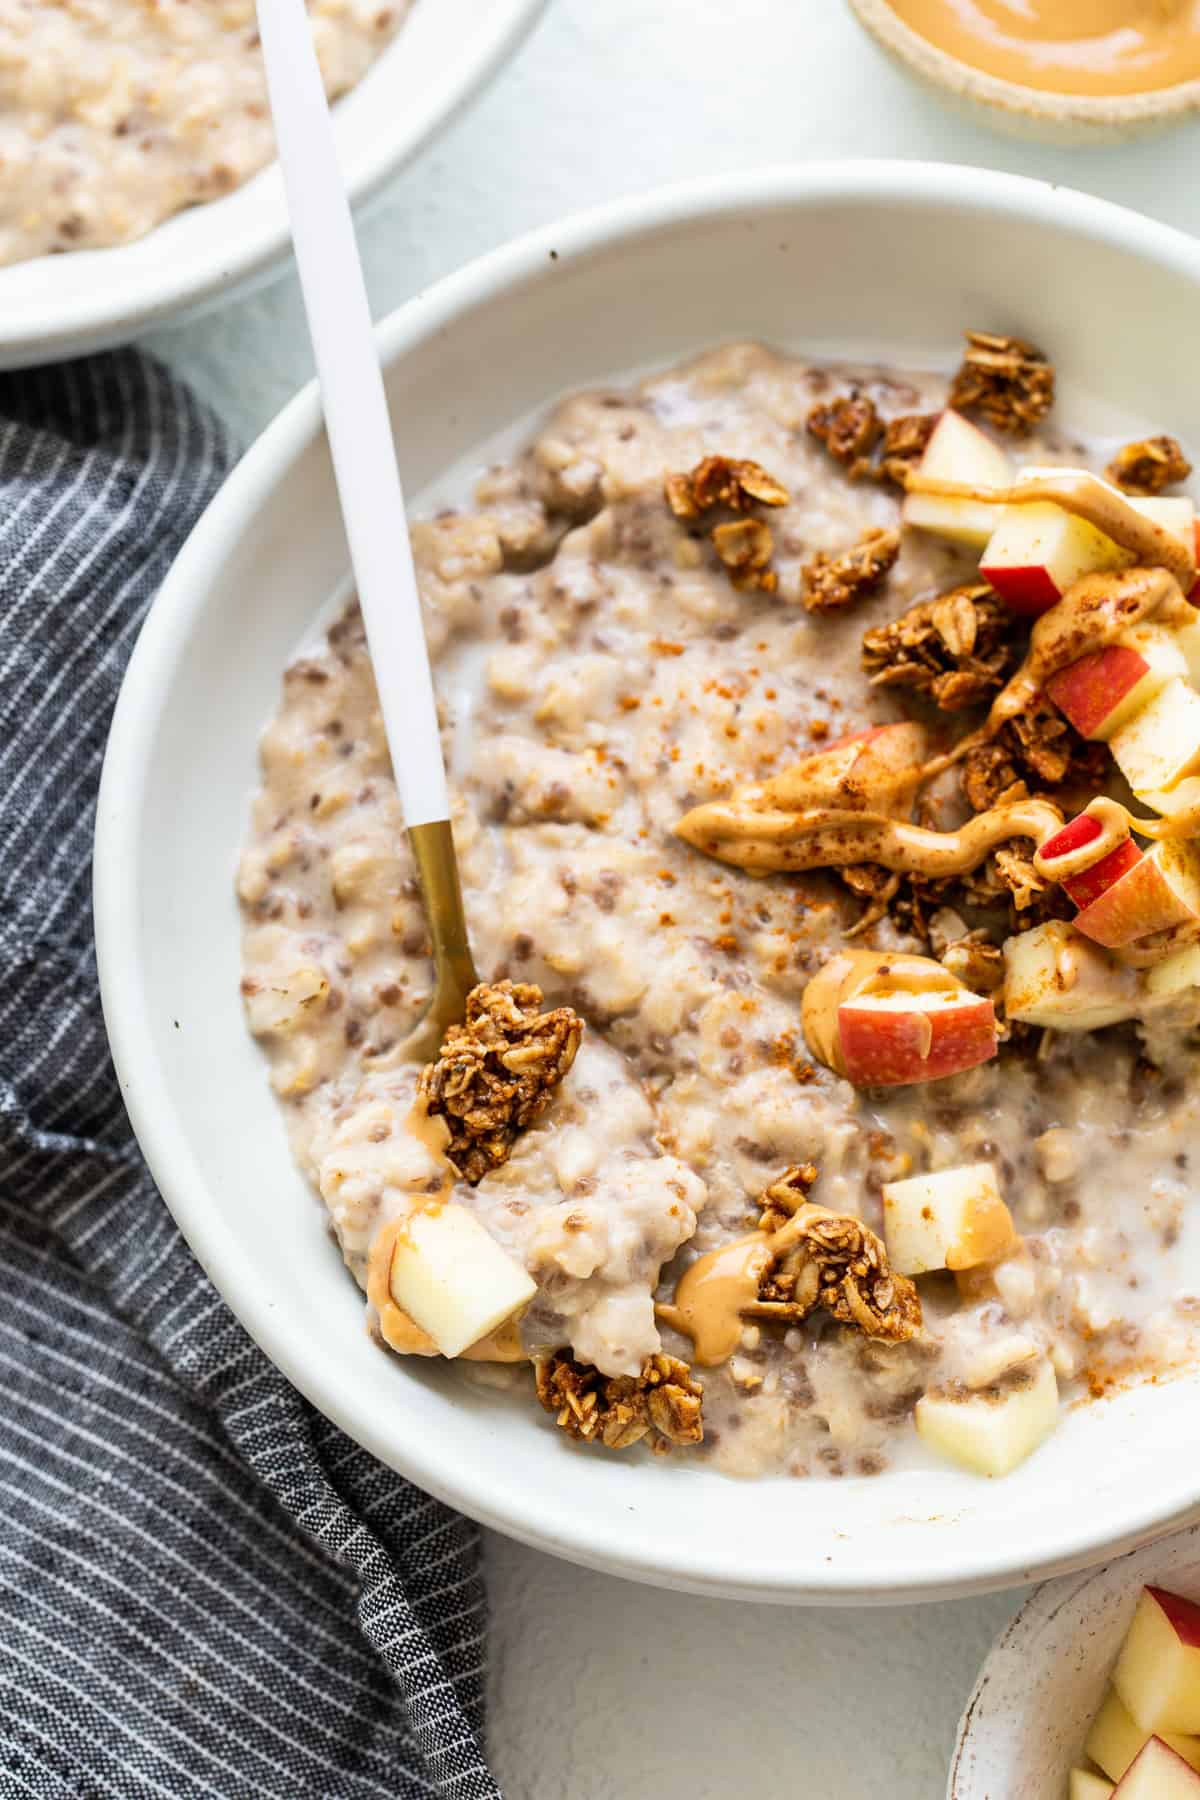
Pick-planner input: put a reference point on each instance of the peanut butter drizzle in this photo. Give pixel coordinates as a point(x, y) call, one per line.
point(767, 842)
point(396, 1327)
point(1096, 47)
point(719, 1288)
point(1089, 497)
point(1114, 822)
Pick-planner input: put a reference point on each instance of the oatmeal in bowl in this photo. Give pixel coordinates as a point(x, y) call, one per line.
point(825, 753)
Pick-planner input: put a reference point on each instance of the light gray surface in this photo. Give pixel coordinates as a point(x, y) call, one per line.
point(605, 1691)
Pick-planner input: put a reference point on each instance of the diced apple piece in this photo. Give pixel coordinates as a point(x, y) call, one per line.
point(950, 1219)
point(1158, 1671)
point(1157, 1773)
point(1175, 973)
point(1176, 513)
point(1088, 884)
point(1187, 635)
point(1102, 691)
point(1038, 551)
point(1116, 1738)
point(1056, 977)
point(453, 1279)
point(1086, 1786)
point(993, 1429)
point(1161, 743)
point(892, 1040)
point(1159, 890)
point(958, 451)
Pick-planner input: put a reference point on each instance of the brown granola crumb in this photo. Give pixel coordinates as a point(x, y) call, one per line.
point(1149, 466)
point(496, 1073)
point(904, 442)
point(849, 427)
point(787, 1195)
point(723, 481)
point(745, 547)
point(1006, 380)
point(834, 1263)
point(832, 581)
point(1036, 750)
point(663, 1402)
point(956, 650)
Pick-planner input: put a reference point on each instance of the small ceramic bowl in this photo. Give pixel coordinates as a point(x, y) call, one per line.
point(1039, 1690)
point(59, 306)
point(1026, 111)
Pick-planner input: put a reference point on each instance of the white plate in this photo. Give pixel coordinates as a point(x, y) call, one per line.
point(867, 257)
point(1040, 1688)
point(86, 300)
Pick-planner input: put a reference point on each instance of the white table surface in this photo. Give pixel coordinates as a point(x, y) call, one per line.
point(603, 1690)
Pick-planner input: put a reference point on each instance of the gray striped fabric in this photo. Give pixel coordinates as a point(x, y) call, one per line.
point(205, 1589)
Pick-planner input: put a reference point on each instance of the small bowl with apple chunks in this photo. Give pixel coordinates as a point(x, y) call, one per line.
point(1094, 1688)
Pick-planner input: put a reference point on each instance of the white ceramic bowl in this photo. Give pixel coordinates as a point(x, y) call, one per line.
point(1039, 1690)
point(65, 305)
point(879, 258)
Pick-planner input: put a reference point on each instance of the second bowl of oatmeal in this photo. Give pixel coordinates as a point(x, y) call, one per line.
point(138, 180)
point(749, 1166)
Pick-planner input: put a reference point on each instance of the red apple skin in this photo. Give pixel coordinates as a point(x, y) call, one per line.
point(1082, 829)
point(883, 1049)
point(1139, 903)
point(1028, 590)
point(1090, 690)
point(1089, 884)
point(1182, 1615)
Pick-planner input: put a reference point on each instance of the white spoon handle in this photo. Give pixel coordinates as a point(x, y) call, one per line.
point(356, 415)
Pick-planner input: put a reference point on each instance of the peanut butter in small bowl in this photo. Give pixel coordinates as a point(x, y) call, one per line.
point(1067, 69)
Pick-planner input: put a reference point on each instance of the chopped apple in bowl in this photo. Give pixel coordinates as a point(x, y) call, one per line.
point(1160, 744)
point(453, 1279)
point(1116, 1739)
point(1087, 884)
point(1158, 1773)
point(1158, 1671)
point(893, 1040)
point(958, 452)
point(992, 1429)
point(1086, 1786)
point(1157, 891)
point(1055, 976)
point(1040, 550)
point(1102, 691)
point(949, 1219)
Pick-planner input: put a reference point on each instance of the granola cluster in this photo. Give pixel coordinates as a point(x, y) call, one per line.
point(1006, 380)
point(1149, 466)
point(850, 428)
point(497, 1071)
point(744, 545)
point(1029, 754)
point(955, 650)
point(834, 1264)
point(834, 581)
point(662, 1403)
point(723, 481)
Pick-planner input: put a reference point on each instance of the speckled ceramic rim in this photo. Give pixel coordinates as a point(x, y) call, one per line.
point(1064, 1673)
point(97, 299)
point(1106, 113)
point(739, 1564)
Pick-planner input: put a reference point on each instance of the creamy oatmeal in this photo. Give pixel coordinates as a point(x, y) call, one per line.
point(114, 114)
point(799, 1177)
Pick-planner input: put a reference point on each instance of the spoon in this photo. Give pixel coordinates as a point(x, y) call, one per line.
point(372, 500)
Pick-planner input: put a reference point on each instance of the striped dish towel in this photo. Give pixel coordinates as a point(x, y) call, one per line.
point(205, 1589)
